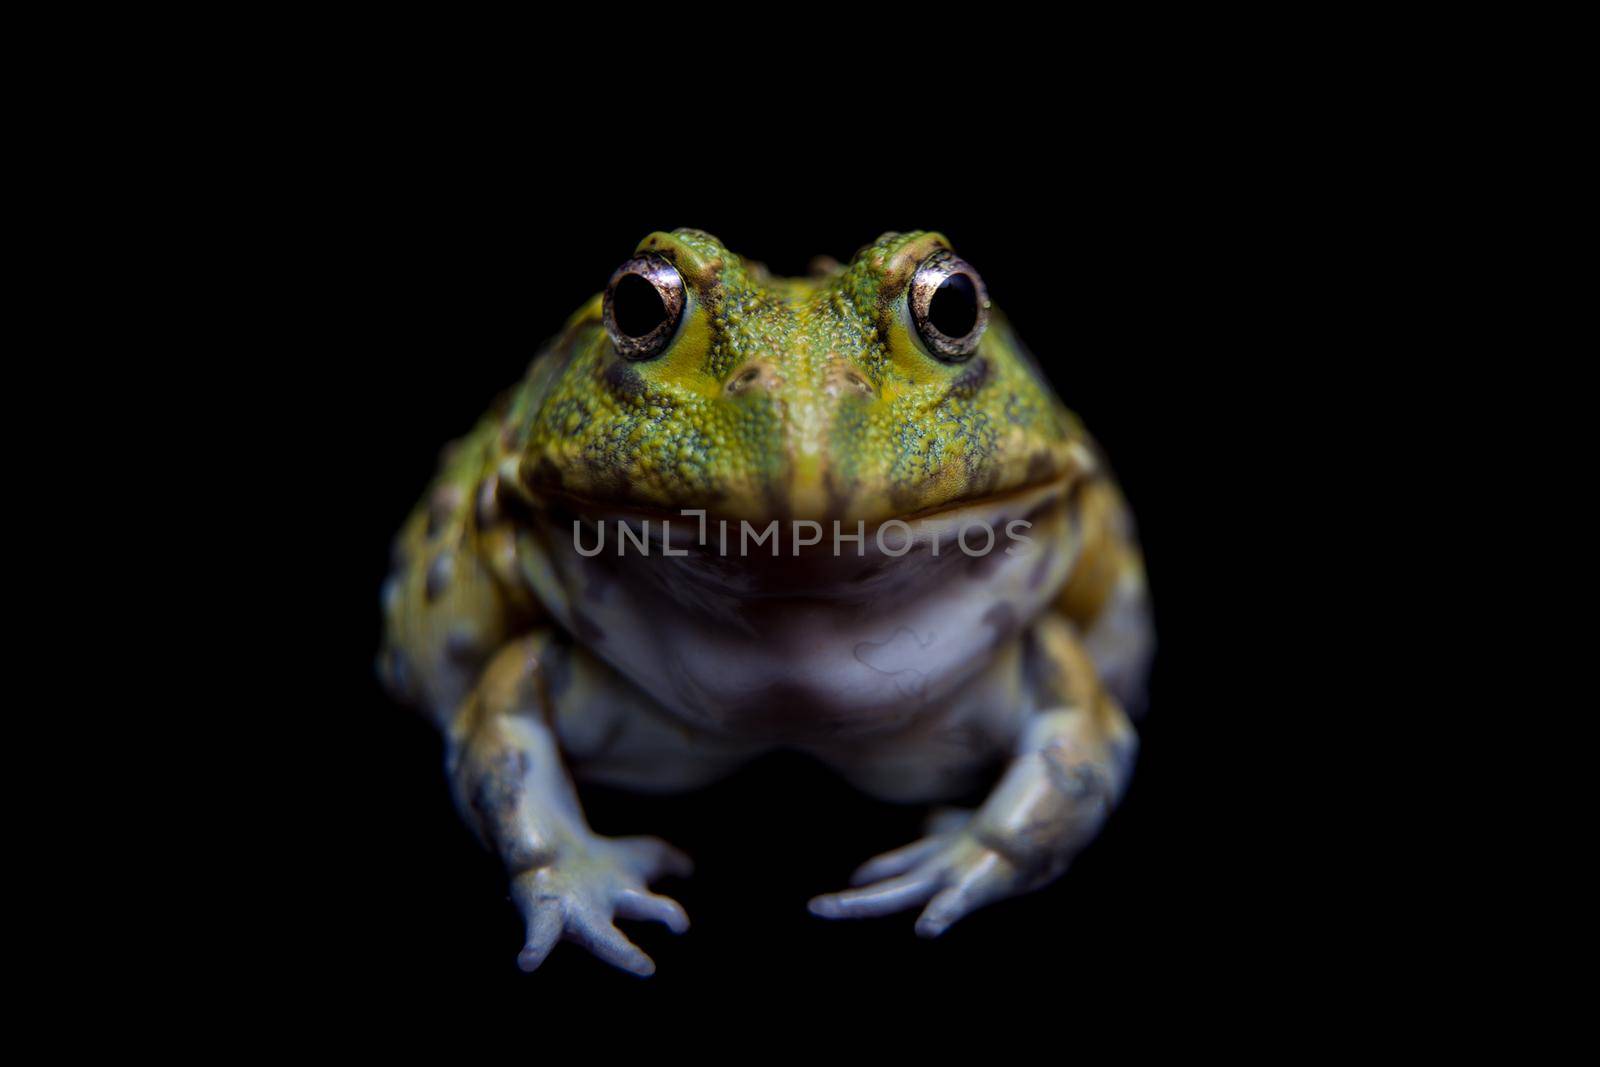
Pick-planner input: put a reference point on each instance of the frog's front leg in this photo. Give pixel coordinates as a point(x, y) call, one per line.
point(507, 772)
point(1069, 767)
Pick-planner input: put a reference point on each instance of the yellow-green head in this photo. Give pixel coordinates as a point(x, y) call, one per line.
point(698, 380)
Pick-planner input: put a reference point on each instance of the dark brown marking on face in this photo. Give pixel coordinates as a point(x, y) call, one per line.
point(440, 572)
point(626, 382)
point(973, 377)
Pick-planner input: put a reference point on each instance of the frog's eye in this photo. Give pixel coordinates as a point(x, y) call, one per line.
point(642, 306)
point(949, 306)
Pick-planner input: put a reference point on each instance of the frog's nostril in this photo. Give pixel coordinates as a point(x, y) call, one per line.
point(755, 376)
point(846, 379)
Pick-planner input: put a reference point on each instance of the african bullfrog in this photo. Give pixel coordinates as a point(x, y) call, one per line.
point(726, 513)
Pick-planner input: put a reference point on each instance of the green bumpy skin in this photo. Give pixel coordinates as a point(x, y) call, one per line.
point(790, 398)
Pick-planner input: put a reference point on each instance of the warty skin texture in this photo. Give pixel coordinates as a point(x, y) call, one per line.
point(913, 673)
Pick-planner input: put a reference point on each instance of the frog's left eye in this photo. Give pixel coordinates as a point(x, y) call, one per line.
point(642, 306)
point(949, 306)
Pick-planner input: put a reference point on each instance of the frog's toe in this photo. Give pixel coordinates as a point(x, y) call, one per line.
point(988, 879)
point(544, 930)
point(652, 907)
point(882, 898)
point(953, 874)
point(597, 934)
point(553, 919)
point(896, 861)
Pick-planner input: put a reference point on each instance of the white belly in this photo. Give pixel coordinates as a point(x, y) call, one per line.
point(802, 649)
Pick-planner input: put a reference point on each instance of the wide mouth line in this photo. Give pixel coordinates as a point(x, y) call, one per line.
point(593, 508)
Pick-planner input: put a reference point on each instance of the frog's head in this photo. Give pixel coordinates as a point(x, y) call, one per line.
point(884, 388)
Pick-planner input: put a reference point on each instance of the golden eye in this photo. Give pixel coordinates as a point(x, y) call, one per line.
point(949, 306)
point(642, 306)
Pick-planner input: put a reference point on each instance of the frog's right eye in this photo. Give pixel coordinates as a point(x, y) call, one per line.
point(643, 305)
point(949, 306)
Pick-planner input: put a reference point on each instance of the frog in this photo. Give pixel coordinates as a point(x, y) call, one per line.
point(797, 476)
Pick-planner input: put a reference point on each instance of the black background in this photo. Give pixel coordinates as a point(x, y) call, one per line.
point(1146, 293)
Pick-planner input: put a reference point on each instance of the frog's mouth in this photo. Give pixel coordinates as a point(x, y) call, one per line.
point(695, 552)
point(812, 493)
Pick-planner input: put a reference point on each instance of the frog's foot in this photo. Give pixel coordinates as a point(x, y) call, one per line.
point(950, 871)
point(1069, 769)
point(590, 883)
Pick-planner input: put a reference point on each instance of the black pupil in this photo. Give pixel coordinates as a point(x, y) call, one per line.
point(953, 311)
point(636, 306)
